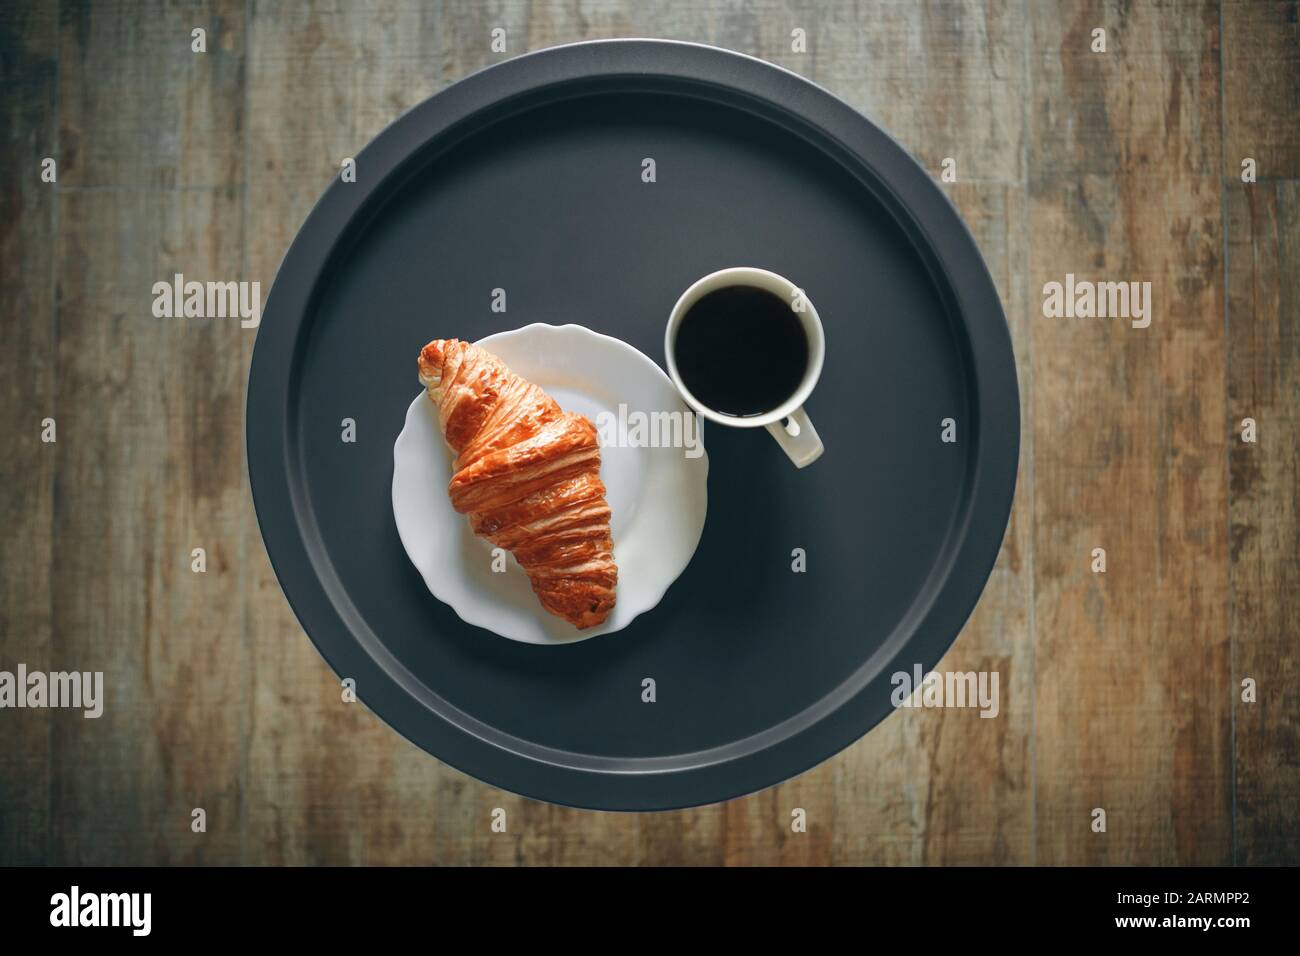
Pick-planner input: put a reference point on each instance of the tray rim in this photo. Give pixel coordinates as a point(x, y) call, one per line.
point(943, 241)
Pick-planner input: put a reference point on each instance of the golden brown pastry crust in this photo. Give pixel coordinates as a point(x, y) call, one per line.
point(528, 475)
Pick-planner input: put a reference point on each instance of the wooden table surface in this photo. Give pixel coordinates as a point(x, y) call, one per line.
point(1119, 690)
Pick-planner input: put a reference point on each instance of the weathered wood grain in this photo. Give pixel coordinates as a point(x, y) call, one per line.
point(149, 112)
point(1261, 87)
point(28, 41)
point(1132, 666)
point(1261, 93)
point(149, 439)
point(1263, 228)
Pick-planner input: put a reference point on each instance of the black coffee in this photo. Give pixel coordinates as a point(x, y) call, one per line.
point(741, 351)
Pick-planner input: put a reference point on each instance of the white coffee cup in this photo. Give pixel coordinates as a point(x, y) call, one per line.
point(788, 423)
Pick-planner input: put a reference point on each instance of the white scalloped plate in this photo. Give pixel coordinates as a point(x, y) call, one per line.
point(658, 495)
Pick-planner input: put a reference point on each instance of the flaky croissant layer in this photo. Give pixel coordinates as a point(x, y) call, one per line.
point(528, 475)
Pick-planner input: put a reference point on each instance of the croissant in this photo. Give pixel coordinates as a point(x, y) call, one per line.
point(528, 475)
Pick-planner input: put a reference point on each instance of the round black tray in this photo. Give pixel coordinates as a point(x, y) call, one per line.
point(527, 177)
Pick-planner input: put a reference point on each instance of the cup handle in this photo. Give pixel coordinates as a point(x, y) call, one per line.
point(797, 438)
